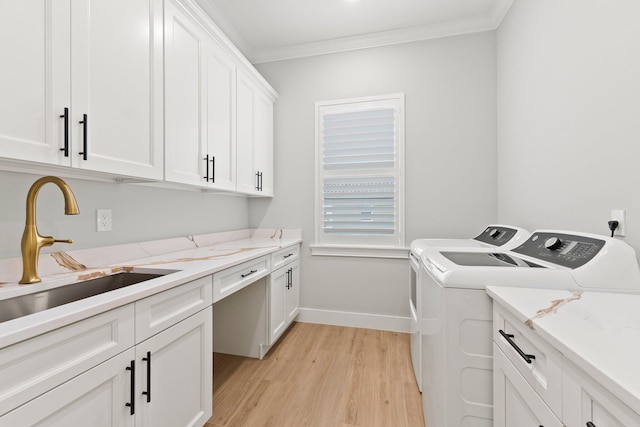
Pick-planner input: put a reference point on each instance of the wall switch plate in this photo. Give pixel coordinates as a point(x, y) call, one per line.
point(103, 220)
point(620, 216)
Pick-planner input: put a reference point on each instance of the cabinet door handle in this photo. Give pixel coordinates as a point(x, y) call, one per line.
point(290, 278)
point(132, 404)
point(66, 132)
point(148, 391)
point(213, 169)
point(508, 337)
point(287, 256)
point(258, 181)
point(249, 273)
point(590, 424)
point(85, 122)
point(206, 165)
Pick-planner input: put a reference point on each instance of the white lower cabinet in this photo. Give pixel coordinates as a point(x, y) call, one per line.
point(284, 299)
point(97, 398)
point(93, 373)
point(174, 374)
point(549, 390)
point(515, 402)
point(587, 403)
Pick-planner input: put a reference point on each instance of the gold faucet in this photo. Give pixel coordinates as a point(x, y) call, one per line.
point(32, 241)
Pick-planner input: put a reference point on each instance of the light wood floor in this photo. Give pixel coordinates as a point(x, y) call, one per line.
point(323, 376)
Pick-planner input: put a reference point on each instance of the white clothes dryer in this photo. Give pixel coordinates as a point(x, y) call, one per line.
point(503, 236)
point(456, 325)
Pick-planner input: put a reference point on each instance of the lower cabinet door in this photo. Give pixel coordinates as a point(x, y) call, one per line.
point(292, 292)
point(96, 398)
point(516, 404)
point(174, 374)
point(277, 289)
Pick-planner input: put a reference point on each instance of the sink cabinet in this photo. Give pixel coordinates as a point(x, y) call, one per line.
point(93, 101)
point(151, 368)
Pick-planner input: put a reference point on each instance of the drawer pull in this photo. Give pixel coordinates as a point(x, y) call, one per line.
point(248, 274)
point(590, 424)
point(132, 404)
point(508, 337)
point(287, 256)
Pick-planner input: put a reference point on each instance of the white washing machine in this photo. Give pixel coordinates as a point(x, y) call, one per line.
point(503, 236)
point(456, 326)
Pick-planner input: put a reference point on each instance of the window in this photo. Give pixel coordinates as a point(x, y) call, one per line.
point(359, 177)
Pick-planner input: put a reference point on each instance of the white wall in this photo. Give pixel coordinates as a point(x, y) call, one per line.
point(140, 213)
point(569, 114)
point(450, 93)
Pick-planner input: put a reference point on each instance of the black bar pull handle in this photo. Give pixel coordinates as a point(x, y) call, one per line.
point(590, 424)
point(287, 256)
point(258, 181)
point(132, 404)
point(213, 169)
point(85, 122)
point(527, 357)
point(249, 273)
point(206, 166)
point(66, 132)
point(148, 391)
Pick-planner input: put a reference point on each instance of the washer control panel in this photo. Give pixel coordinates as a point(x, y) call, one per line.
point(563, 249)
point(496, 235)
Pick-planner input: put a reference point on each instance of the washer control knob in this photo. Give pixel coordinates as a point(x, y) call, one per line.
point(493, 233)
point(552, 243)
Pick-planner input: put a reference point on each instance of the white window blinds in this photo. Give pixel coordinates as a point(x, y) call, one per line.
point(359, 164)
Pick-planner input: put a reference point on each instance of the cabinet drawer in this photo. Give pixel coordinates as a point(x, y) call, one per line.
point(36, 365)
point(158, 312)
point(284, 256)
point(544, 372)
point(233, 279)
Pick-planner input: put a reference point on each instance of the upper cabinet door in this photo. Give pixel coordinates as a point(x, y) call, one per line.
point(254, 138)
point(34, 79)
point(117, 85)
point(221, 131)
point(185, 147)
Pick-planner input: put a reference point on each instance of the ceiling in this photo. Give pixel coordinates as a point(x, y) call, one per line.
point(271, 30)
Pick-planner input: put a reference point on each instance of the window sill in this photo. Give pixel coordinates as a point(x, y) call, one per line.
point(360, 251)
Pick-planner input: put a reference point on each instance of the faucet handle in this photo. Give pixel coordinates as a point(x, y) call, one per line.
point(62, 241)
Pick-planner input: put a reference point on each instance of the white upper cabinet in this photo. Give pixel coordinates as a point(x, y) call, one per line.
point(92, 101)
point(255, 138)
point(117, 82)
point(35, 52)
point(199, 112)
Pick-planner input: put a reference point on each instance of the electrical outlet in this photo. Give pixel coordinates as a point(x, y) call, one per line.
point(619, 215)
point(103, 220)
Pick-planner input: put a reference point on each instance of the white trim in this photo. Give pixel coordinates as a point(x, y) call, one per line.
point(354, 320)
point(360, 251)
point(385, 38)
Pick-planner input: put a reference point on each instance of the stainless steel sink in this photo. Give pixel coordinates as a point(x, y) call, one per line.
point(23, 305)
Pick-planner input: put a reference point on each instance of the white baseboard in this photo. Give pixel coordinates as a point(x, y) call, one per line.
point(354, 320)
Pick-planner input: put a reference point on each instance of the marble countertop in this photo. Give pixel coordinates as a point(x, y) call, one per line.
point(598, 332)
point(186, 259)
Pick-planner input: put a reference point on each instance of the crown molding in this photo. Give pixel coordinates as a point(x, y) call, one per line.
point(386, 38)
point(257, 56)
